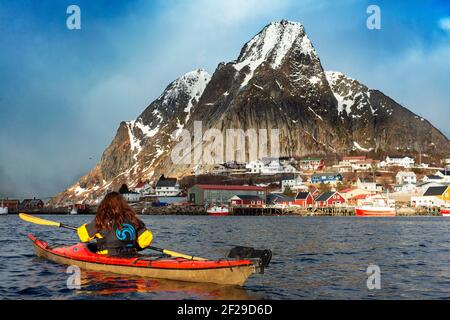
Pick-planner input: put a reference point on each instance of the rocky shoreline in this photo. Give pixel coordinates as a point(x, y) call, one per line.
point(183, 210)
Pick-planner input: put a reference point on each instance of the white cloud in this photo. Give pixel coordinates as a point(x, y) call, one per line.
point(444, 24)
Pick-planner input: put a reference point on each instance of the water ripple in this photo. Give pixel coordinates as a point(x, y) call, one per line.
point(314, 258)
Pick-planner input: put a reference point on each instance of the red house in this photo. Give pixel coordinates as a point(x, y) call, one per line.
point(13, 205)
point(329, 199)
point(247, 201)
point(304, 199)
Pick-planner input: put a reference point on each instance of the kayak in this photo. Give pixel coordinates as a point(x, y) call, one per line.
point(223, 271)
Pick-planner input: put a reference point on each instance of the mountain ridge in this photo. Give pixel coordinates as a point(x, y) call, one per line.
point(277, 82)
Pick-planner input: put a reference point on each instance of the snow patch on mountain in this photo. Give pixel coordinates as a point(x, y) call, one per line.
point(146, 130)
point(192, 83)
point(135, 142)
point(195, 83)
point(358, 146)
point(272, 45)
point(351, 96)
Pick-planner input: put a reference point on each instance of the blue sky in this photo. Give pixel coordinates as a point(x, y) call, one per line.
point(64, 92)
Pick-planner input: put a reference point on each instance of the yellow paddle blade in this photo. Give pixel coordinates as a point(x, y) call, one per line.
point(33, 219)
point(180, 255)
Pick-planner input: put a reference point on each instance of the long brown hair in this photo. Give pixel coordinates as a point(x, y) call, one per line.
point(114, 210)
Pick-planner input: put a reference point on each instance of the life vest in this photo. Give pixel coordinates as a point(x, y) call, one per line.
point(126, 239)
point(121, 240)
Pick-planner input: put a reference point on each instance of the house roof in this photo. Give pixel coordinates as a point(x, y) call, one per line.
point(302, 195)
point(366, 180)
point(326, 174)
point(267, 160)
point(406, 173)
point(325, 196)
point(273, 197)
point(434, 177)
point(435, 191)
point(249, 197)
point(9, 201)
point(229, 187)
point(360, 197)
point(32, 201)
point(167, 182)
point(311, 159)
point(130, 192)
point(355, 158)
point(140, 185)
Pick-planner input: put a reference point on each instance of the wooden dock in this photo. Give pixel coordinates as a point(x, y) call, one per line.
point(292, 211)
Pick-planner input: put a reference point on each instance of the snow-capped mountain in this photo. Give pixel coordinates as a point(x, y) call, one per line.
point(277, 82)
point(376, 122)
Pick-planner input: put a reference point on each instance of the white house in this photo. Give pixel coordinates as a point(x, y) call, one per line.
point(168, 187)
point(144, 188)
point(407, 187)
point(425, 201)
point(289, 168)
point(255, 166)
point(272, 166)
point(296, 183)
point(269, 166)
point(369, 185)
point(357, 163)
point(363, 165)
point(405, 162)
point(406, 177)
point(434, 196)
point(131, 196)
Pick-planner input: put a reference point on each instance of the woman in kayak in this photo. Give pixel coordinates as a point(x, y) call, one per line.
point(116, 227)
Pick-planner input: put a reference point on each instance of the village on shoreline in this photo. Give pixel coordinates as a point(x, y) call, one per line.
point(284, 186)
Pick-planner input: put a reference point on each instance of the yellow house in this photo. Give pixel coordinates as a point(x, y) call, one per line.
point(442, 193)
point(446, 196)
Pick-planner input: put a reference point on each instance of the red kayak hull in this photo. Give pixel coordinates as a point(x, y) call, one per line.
point(223, 271)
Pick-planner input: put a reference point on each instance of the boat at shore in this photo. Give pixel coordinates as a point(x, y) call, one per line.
point(375, 208)
point(3, 209)
point(445, 211)
point(74, 210)
point(218, 211)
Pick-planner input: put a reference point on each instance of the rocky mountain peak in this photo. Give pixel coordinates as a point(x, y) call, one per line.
point(272, 45)
point(192, 83)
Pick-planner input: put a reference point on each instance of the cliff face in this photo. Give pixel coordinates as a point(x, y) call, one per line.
point(277, 82)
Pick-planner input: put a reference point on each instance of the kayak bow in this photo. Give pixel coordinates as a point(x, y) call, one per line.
point(223, 271)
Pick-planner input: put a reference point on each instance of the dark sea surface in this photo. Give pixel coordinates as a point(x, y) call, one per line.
point(313, 258)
